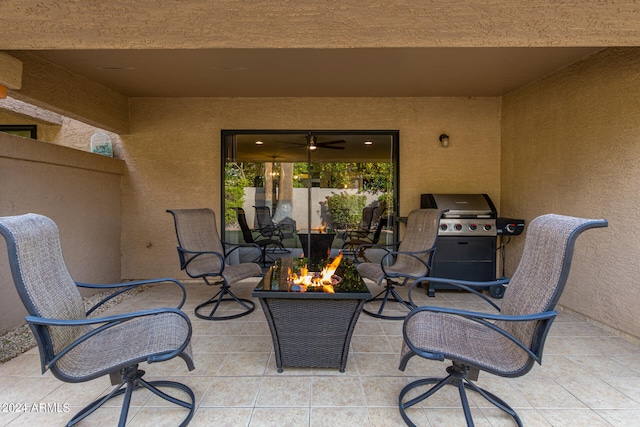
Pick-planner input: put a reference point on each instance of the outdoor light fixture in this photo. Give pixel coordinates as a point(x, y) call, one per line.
point(259, 142)
point(444, 140)
point(368, 142)
point(312, 142)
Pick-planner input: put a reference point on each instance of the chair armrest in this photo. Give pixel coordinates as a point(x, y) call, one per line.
point(364, 247)
point(126, 286)
point(484, 319)
point(410, 254)
point(108, 322)
point(465, 285)
point(237, 246)
point(184, 262)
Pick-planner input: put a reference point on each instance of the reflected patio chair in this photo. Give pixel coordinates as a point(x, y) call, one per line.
point(410, 261)
point(77, 348)
point(358, 246)
point(271, 230)
point(368, 224)
point(247, 234)
point(203, 255)
point(508, 343)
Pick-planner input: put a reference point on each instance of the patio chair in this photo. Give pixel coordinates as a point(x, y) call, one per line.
point(77, 348)
point(361, 235)
point(271, 230)
point(507, 343)
point(247, 234)
point(411, 260)
point(358, 246)
point(203, 255)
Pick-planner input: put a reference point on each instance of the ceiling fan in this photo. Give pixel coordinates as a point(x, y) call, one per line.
point(313, 143)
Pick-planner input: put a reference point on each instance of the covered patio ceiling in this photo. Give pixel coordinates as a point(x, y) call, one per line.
point(304, 72)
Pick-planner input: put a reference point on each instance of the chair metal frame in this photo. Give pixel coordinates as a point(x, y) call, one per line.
point(263, 244)
point(215, 275)
point(389, 275)
point(124, 375)
point(464, 371)
point(270, 230)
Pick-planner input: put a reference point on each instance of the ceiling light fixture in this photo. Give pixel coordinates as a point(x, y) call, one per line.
point(312, 142)
point(444, 140)
point(259, 143)
point(368, 142)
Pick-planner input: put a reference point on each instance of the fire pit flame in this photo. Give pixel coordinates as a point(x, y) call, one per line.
point(325, 279)
point(321, 229)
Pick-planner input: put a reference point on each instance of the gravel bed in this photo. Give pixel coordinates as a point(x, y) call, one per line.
point(19, 340)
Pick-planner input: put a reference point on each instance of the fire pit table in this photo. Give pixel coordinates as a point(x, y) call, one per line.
point(311, 325)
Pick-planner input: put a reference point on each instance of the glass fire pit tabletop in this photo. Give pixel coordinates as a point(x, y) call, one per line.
point(304, 277)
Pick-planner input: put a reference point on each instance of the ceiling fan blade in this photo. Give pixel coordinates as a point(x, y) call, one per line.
point(329, 146)
point(338, 141)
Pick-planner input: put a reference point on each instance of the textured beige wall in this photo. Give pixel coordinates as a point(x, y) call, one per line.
point(79, 24)
point(80, 191)
point(571, 145)
point(173, 155)
point(56, 89)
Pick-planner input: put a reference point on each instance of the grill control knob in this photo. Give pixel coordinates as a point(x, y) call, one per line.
point(510, 228)
point(472, 227)
point(487, 227)
point(458, 227)
point(443, 227)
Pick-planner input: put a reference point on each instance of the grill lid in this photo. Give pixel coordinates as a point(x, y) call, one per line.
point(460, 205)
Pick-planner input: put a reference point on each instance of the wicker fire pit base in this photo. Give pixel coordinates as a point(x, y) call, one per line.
point(310, 329)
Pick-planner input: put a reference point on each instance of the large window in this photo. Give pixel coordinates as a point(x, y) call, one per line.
point(309, 180)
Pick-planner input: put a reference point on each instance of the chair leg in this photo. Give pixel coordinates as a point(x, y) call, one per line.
point(390, 295)
point(216, 301)
point(131, 381)
point(457, 377)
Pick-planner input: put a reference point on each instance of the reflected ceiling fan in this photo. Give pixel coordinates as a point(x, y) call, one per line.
point(314, 144)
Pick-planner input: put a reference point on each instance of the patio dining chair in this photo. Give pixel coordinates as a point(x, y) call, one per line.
point(368, 223)
point(411, 260)
point(78, 348)
point(506, 344)
point(248, 236)
point(269, 229)
point(204, 255)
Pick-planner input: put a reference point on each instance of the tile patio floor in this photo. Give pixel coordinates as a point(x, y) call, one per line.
point(589, 377)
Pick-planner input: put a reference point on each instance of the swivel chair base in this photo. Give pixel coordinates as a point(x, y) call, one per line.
point(390, 295)
point(458, 377)
point(131, 379)
point(247, 305)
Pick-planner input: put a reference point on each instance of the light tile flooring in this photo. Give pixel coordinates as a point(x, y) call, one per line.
point(588, 378)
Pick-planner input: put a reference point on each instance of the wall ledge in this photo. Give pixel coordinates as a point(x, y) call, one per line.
point(15, 147)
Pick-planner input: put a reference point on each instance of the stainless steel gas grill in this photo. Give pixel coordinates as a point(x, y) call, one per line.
point(466, 242)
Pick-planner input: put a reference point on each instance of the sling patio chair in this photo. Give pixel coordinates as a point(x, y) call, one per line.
point(506, 344)
point(78, 348)
point(247, 235)
point(410, 261)
point(270, 230)
point(203, 255)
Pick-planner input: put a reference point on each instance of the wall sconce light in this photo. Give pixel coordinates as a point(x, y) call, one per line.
point(444, 140)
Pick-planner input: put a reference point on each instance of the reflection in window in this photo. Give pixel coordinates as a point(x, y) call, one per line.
point(327, 187)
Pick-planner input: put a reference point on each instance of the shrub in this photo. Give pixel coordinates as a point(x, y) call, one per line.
point(345, 209)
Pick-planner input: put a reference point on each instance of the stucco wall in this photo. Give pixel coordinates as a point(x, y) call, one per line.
point(571, 145)
point(80, 191)
point(303, 23)
point(173, 155)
